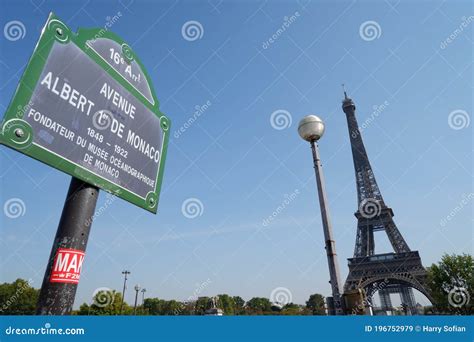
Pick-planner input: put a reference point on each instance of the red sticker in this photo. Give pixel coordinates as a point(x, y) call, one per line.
point(67, 266)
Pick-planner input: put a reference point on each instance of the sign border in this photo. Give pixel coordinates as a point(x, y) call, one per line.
point(56, 31)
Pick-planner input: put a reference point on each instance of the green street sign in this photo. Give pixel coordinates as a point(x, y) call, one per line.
point(86, 106)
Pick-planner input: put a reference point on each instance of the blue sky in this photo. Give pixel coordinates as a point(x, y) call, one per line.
point(238, 165)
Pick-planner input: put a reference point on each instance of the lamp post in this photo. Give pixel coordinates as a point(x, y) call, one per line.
point(125, 273)
point(137, 289)
point(311, 129)
point(143, 296)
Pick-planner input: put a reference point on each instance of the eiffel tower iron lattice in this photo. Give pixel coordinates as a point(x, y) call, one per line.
point(395, 272)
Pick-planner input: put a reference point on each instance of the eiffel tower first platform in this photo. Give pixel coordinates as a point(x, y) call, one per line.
point(397, 272)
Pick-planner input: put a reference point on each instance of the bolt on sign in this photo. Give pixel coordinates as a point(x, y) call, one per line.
point(86, 106)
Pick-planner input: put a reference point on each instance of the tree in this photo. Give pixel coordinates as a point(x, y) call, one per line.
point(18, 298)
point(172, 307)
point(315, 304)
point(451, 283)
point(105, 303)
point(258, 306)
point(239, 305)
point(202, 304)
point(226, 303)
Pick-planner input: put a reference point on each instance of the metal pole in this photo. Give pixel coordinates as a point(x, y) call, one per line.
point(57, 295)
point(124, 287)
point(136, 298)
point(327, 227)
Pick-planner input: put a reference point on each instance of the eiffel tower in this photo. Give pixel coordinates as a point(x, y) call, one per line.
point(397, 272)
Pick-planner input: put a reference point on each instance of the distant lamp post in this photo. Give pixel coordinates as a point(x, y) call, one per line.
point(143, 296)
point(137, 289)
point(125, 273)
point(311, 129)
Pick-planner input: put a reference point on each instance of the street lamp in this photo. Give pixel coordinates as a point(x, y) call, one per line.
point(137, 289)
point(143, 296)
point(311, 129)
point(125, 273)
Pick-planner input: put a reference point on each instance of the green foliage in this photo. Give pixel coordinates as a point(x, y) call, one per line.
point(239, 305)
point(156, 306)
point(105, 303)
point(226, 303)
point(18, 298)
point(451, 283)
point(202, 304)
point(291, 309)
point(315, 304)
point(258, 306)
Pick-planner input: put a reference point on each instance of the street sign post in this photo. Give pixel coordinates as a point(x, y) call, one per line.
point(86, 106)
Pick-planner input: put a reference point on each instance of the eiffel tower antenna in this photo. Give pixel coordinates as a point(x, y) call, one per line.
point(344, 89)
